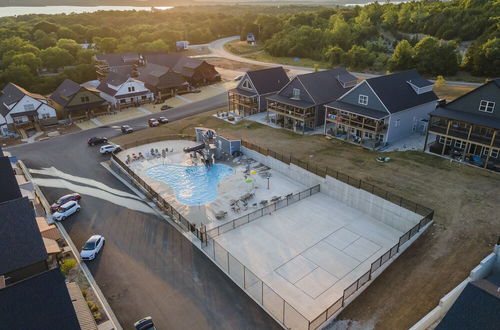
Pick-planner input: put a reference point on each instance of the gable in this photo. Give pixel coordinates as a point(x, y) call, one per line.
point(287, 91)
point(246, 84)
point(352, 97)
point(131, 83)
point(26, 104)
point(470, 102)
point(83, 93)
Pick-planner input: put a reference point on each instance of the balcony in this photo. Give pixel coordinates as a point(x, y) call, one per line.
point(291, 112)
point(463, 134)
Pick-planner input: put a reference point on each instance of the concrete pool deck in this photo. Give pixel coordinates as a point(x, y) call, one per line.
point(311, 251)
point(231, 188)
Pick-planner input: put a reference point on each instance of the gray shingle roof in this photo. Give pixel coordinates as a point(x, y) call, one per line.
point(324, 86)
point(163, 59)
point(10, 189)
point(475, 308)
point(20, 241)
point(395, 92)
point(11, 94)
point(39, 302)
point(286, 100)
point(473, 118)
point(268, 80)
point(117, 59)
point(114, 79)
point(159, 76)
point(375, 114)
point(62, 95)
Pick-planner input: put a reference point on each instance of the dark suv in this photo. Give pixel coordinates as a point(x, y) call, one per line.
point(97, 140)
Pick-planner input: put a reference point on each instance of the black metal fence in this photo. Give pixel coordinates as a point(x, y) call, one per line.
point(214, 232)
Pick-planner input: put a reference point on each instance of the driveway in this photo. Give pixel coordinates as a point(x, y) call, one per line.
point(147, 267)
point(217, 49)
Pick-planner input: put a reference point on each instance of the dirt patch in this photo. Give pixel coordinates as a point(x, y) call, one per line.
point(464, 198)
point(450, 93)
point(234, 65)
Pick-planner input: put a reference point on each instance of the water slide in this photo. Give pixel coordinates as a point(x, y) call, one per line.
point(195, 148)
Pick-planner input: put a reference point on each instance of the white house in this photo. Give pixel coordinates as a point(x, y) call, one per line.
point(121, 91)
point(20, 109)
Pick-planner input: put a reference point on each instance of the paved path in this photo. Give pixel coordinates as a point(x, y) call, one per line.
point(217, 48)
point(146, 111)
point(147, 267)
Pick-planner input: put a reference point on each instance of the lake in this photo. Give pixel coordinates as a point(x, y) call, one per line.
point(14, 11)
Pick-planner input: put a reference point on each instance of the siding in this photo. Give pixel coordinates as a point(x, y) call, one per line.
point(364, 89)
point(470, 102)
point(288, 90)
point(407, 119)
point(92, 98)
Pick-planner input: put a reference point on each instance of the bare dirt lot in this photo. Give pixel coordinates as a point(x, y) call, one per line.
point(465, 200)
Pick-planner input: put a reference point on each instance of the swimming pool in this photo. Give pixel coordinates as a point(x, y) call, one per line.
point(193, 185)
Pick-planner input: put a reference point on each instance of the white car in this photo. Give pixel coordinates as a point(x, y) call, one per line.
point(92, 247)
point(66, 210)
point(108, 148)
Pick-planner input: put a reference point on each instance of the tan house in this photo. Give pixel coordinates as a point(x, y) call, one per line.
point(74, 102)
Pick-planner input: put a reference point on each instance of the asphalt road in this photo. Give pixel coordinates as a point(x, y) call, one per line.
point(146, 267)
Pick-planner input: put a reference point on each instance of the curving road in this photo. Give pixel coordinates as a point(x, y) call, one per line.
point(147, 267)
point(217, 49)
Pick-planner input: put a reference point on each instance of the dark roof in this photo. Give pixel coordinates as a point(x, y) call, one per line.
point(395, 92)
point(268, 80)
point(12, 93)
point(420, 82)
point(163, 59)
point(375, 114)
point(242, 92)
point(87, 106)
point(473, 118)
point(475, 308)
point(286, 100)
point(159, 76)
point(118, 59)
point(62, 95)
point(324, 86)
point(39, 302)
point(10, 189)
point(152, 69)
point(20, 241)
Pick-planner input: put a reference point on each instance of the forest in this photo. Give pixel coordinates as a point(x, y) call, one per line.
point(39, 51)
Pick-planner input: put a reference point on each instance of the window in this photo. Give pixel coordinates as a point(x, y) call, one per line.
point(494, 152)
point(123, 101)
point(246, 84)
point(460, 144)
point(296, 93)
point(131, 89)
point(143, 97)
point(486, 106)
point(84, 99)
point(448, 142)
point(45, 116)
point(397, 123)
point(363, 99)
point(29, 107)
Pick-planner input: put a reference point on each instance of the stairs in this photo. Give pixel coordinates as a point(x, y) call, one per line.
point(37, 127)
point(23, 134)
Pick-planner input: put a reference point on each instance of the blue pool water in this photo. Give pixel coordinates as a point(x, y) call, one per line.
point(193, 185)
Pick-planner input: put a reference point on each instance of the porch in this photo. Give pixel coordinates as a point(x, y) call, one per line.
point(298, 118)
point(243, 103)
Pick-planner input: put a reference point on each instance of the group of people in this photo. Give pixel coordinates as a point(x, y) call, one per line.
point(153, 153)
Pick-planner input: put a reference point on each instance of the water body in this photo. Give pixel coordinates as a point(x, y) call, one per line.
point(50, 10)
point(193, 185)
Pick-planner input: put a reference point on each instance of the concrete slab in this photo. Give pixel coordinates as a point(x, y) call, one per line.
point(296, 269)
point(316, 282)
point(361, 249)
point(331, 259)
point(341, 238)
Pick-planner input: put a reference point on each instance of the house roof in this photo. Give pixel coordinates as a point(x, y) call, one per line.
point(395, 92)
point(160, 76)
point(10, 189)
point(420, 82)
point(39, 302)
point(473, 118)
point(20, 241)
point(62, 95)
point(242, 92)
point(375, 114)
point(286, 100)
point(268, 80)
point(324, 86)
point(477, 307)
point(13, 93)
point(155, 70)
point(118, 59)
point(169, 60)
point(113, 79)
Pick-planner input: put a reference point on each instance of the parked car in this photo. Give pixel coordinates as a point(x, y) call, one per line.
point(66, 210)
point(92, 247)
point(97, 140)
point(64, 199)
point(153, 122)
point(126, 129)
point(165, 107)
point(108, 148)
point(163, 120)
point(145, 324)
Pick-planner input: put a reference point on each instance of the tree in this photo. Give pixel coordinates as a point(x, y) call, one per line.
point(28, 59)
point(359, 57)
point(402, 58)
point(335, 55)
point(46, 27)
point(106, 45)
point(155, 46)
point(19, 74)
point(435, 57)
point(340, 33)
point(267, 26)
point(42, 40)
point(55, 57)
point(70, 45)
point(484, 59)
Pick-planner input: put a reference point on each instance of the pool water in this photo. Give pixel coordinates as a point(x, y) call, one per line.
point(193, 185)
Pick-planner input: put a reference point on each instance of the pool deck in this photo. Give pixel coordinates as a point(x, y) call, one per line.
point(231, 188)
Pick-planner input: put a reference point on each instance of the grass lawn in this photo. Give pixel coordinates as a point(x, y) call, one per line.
point(464, 198)
point(451, 92)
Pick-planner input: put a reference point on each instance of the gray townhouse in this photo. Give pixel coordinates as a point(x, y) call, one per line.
point(249, 96)
point(300, 104)
point(382, 110)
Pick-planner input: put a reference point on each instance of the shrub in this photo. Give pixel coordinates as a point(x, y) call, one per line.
point(67, 265)
point(84, 293)
point(97, 316)
point(440, 82)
